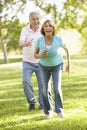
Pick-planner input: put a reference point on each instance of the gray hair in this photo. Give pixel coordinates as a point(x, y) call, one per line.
point(33, 12)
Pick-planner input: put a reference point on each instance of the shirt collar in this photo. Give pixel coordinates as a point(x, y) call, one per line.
point(32, 30)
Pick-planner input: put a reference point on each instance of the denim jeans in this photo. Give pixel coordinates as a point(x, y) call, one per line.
point(56, 73)
point(28, 69)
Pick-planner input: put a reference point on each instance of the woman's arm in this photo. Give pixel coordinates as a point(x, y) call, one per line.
point(40, 55)
point(36, 53)
point(68, 59)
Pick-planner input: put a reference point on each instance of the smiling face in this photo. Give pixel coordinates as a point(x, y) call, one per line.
point(34, 19)
point(48, 28)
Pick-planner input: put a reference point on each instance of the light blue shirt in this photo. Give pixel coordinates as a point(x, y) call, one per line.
point(54, 56)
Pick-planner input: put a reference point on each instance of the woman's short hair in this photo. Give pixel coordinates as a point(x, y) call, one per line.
point(51, 23)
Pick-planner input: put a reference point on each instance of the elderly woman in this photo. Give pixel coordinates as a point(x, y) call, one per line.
point(51, 64)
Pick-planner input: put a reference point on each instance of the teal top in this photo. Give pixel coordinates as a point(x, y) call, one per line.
point(54, 56)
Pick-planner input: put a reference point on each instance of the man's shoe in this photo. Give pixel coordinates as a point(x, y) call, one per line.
point(32, 107)
point(40, 107)
point(50, 114)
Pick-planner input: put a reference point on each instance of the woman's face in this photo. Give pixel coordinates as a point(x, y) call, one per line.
point(48, 29)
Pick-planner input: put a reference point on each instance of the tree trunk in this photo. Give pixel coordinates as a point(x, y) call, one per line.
point(4, 49)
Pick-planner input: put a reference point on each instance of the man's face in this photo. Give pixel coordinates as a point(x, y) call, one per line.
point(34, 19)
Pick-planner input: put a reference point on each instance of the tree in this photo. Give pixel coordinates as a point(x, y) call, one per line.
point(1, 41)
point(6, 27)
point(72, 14)
point(50, 7)
point(76, 17)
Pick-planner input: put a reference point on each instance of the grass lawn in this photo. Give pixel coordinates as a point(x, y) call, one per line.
point(14, 113)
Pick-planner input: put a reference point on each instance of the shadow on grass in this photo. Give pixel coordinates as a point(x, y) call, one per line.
point(11, 60)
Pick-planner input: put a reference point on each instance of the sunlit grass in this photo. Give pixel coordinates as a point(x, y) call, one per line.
point(14, 113)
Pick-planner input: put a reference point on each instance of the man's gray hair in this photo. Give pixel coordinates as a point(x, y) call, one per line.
point(33, 12)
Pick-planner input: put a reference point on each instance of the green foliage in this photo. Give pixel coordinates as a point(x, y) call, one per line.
point(10, 25)
point(76, 17)
point(72, 15)
point(84, 46)
point(11, 33)
point(14, 29)
point(14, 113)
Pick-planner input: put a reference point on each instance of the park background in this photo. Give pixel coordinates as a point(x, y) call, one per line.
point(70, 17)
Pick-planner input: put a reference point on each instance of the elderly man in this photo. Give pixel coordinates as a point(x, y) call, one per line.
point(28, 37)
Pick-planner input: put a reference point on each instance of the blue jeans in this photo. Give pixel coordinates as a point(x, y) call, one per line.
point(56, 73)
point(28, 69)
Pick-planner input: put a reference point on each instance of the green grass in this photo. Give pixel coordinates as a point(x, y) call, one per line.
point(14, 114)
point(11, 59)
